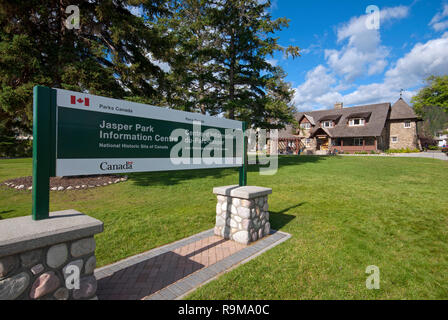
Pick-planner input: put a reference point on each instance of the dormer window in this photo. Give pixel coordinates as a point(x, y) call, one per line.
point(356, 122)
point(305, 125)
point(327, 124)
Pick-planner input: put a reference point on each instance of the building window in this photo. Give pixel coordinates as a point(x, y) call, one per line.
point(307, 142)
point(357, 141)
point(305, 125)
point(356, 122)
point(394, 139)
point(407, 124)
point(327, 124)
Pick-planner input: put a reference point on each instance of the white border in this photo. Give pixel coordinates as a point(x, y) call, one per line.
point(74, 167)
point(142, 110)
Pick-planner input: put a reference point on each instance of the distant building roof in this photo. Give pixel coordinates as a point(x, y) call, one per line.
point(373, 128)
point(401, 110)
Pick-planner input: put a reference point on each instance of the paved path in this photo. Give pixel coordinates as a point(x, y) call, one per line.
point(432, 155)
point(171, 271)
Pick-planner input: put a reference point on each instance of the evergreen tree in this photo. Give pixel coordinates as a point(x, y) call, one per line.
point(246, 30)
point(192, 77)
point(221, 61)
point(107, 55)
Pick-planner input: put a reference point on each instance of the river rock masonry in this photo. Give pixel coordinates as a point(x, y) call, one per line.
point(242, 213)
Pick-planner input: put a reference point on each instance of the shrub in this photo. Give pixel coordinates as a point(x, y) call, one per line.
point(403, 150)
point(434, 148)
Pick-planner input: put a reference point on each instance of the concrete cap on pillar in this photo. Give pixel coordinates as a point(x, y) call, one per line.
point(246, 192)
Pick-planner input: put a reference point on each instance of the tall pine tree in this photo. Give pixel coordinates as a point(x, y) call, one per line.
point(108, 55)
point(246, 30)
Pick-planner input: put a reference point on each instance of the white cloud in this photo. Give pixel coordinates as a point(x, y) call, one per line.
point(425, 59)
point(436, 22)
point(321, 88)
point(363, 52)
point(272, 62)
point(316, 89)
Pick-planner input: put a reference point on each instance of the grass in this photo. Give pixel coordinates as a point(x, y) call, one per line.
point(344, 214)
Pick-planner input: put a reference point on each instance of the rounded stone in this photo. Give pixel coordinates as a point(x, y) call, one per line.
point(266, 216)
point(11, 288)
point(220, 222)
point(7, 264)
point(217, 231)
point(245, 225)
point(45, 284)
point(237, 218)
point(77, 263)
point(260, 233)
point(83, 247)
point(87, 288)
point(57, 255)
point(221, 198)
point(233, 224)
point(61, 294)
point(246, 203)
point(90, 265)
point(60, 188)
point(218, 209)
point(254, 236)
point(252, 213)
point(265, 206)
point(236, 202)
point(38, 268)
point(244, 212)
point(267, 228)
point(233, 209)
point(224, 206)
point(31, 258)
point(241, 237)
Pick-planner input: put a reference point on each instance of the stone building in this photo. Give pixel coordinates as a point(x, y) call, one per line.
point(375, 127)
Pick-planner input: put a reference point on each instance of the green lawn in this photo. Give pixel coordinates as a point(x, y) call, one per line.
point(344, 213)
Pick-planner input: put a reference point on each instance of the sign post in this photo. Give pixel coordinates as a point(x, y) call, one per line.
point(44, 113)
point(81, 134)
point(243, 168)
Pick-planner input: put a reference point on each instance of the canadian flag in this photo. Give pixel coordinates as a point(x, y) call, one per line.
point(75, 100)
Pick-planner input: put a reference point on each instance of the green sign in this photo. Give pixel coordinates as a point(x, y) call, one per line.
point(83, 134)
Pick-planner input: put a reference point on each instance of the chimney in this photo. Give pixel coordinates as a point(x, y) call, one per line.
point(338, 105)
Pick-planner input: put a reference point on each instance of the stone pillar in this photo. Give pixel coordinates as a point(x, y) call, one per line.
point(242, 213)
point(35, 255)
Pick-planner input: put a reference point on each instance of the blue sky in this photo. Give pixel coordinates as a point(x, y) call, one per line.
point(344, 61)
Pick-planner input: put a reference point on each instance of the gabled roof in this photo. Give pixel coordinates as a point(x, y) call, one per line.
point(310, 118)
point(401, 110)
point(373, 128)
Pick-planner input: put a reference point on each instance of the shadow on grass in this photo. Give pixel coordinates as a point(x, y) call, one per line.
point(4, 212)
point(279, 219)
point(167, 178)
